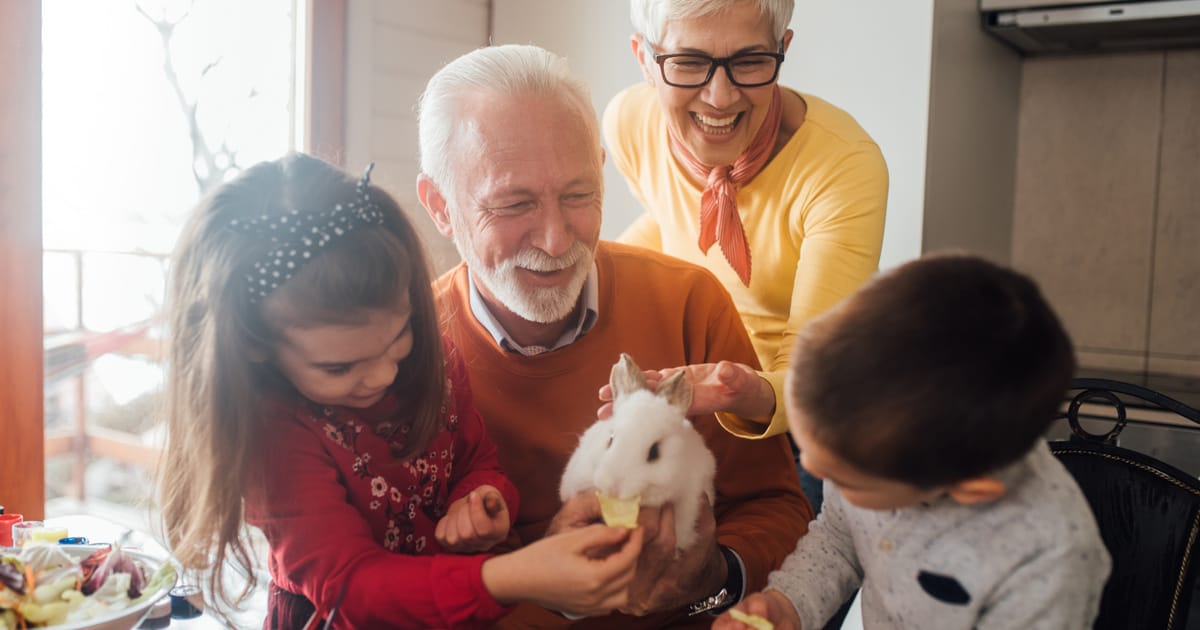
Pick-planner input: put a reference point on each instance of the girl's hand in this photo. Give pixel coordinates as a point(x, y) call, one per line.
point(584, 571)
point(726, 386)
point(474, 523)
point(770, 605)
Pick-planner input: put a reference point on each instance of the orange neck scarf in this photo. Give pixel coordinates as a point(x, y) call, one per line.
point(719, 219)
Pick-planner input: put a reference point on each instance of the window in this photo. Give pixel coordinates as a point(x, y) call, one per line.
point(124, 162)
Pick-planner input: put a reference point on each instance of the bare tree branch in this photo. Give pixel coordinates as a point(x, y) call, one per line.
point(207, 169)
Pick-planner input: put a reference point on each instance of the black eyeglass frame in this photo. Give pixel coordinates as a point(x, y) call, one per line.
point(713, 62)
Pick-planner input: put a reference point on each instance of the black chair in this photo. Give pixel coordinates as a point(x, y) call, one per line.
point(1147, 510)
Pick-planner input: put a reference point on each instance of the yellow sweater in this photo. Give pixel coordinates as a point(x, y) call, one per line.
point(813, 217)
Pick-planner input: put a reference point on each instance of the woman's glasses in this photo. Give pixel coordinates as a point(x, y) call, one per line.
point(690, 70)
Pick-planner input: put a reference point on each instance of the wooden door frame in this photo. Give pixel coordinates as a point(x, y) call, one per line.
point(22, 461)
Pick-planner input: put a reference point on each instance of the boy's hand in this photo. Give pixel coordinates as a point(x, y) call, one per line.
point(570, 571)
point(770, 605)
point(474, 523)
point(726, 386)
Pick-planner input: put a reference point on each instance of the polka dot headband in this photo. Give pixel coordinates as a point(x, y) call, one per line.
point(298, 238)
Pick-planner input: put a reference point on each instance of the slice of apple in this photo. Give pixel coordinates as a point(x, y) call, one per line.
point(754, 621)
point(619, 512)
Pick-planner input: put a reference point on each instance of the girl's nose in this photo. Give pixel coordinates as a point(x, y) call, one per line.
point(381, 373)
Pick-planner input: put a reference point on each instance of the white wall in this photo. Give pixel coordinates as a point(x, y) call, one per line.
point(594, 37)
point(392, 48)
point(870, 57)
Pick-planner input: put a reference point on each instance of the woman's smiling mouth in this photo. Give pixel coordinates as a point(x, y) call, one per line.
point(716, 126)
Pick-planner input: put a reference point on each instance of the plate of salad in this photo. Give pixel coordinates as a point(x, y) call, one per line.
point(78, 587)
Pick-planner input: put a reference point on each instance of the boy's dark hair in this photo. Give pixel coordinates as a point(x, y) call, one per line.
point(940, 370)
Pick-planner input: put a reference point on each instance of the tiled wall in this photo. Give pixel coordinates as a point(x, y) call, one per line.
point(1107, 203)
point(392, 48)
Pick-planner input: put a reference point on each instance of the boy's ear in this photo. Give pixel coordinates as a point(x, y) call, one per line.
point(977, 490)
point(435, 204)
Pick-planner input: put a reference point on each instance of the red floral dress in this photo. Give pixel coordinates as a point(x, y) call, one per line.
point(340, 512)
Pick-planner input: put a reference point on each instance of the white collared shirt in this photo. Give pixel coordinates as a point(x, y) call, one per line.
point(591, 310)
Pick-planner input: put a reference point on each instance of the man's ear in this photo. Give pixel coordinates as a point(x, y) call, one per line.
point(635, 42)
point(435, 204)
point(977, 490)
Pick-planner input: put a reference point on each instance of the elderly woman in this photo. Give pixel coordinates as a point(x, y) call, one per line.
point(780, 194)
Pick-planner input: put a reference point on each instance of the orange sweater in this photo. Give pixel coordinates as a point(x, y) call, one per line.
point(668, 313)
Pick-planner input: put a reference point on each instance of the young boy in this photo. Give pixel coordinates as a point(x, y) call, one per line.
point(921, 401)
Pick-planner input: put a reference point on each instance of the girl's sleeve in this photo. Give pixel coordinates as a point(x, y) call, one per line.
point(320, 544)
point(476, 461)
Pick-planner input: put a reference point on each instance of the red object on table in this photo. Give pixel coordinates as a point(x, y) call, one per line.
point(6, 523)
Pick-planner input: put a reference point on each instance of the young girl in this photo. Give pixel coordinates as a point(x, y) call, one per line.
point(310, 394)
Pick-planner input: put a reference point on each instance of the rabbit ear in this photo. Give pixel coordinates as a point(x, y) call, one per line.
point(626, 377)
point(677, 389)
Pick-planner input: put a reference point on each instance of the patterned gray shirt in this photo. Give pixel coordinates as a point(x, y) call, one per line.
point(1032, 559)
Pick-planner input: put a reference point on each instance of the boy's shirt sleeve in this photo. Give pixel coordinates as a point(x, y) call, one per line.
point(1055, 589)
point(823, 572)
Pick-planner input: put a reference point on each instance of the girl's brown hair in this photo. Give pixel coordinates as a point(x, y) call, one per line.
point(218, 369)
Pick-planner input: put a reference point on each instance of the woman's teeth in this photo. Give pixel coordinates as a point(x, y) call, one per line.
point(716, 125)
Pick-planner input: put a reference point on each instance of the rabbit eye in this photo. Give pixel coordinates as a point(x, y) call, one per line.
point(653, 454)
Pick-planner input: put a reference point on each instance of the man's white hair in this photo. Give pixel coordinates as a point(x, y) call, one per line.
point(650, 17)
point(499, 70)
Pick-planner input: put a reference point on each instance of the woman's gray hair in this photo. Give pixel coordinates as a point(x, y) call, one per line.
point(650, 17)
point(501, 70)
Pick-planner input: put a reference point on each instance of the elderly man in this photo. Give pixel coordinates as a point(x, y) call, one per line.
point(541, 309)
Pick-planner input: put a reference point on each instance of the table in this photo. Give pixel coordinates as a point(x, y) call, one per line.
point(98, 531)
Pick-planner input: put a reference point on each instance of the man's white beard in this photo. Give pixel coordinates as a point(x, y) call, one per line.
point(544, 305)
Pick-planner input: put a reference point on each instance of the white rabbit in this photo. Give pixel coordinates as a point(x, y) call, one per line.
point(647, 448)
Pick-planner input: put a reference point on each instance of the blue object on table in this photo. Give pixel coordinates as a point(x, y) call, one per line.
point(73, 540)
point(181, 606)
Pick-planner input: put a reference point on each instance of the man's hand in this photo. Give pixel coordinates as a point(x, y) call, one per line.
point(579, 511)
point(667, 582)
point(770, 605)
point(726, 386)
point(568, 572)
point(474, 523)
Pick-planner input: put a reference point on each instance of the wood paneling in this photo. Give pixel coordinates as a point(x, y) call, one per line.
point(327, 80)
point(22, 463)
point(1087, 169)
point(1175, 301)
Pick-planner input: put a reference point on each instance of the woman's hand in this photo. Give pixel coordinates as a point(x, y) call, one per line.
point(726, 386)
point(770, 605)
point(584, 571)
point(474, 523)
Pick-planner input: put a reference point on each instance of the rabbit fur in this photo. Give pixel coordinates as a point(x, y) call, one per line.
point(648, 448)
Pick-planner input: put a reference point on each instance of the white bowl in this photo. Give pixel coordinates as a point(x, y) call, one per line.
point(122, 619)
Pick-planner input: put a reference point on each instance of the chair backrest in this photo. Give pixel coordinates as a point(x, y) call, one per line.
point(1148, 512)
